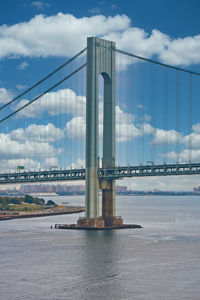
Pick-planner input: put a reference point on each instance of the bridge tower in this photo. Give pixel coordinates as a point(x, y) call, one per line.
point(100, 61)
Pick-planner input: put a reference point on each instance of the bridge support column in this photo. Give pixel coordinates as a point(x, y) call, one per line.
point(100, 61)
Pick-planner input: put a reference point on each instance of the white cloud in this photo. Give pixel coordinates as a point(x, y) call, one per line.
point(165, 137)
point(50, 162)
point(184, 156)
point(161, 136)
point(40, 4)
point(137, 41)
point(66, 101)
point(147, 128)
point(126, 132)
point(20, 87)
point(23, 65)
point(76, 128)
point(163, 183)
point(5, 95)
point(65, 35)
point(59, 35)
point(125, 128)
point(146, 118)
point(37, 133)
point(62, 101)
point(12, 149)
point(78, 164)
point(196, 128)
point(182, 51)
point(11, 164)
point(192, 141)
point(30, 146)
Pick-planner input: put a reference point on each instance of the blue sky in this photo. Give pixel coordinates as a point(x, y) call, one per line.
point(38, 36)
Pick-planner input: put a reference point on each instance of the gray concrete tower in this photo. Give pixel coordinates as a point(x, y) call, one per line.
point(100, 60)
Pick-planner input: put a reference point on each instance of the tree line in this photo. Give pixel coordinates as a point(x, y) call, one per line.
point(5, 201)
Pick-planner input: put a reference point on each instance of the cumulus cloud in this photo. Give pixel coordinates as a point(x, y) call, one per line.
point(180, 51)
point(66, 101)
point(30, 147)
point(76, 128)
point(163, 183)
point(125, 128)
point(190, 142)
point(64, 35)
point(161, 136)
point(37, 133)
point(78, 164)
point(184, 156)
point(165, 137)
point(11, 164)
point(196, 128)
point(59, 35)
point(62, 101)
point(5, 95)
point(50, 162)
point(13, 149)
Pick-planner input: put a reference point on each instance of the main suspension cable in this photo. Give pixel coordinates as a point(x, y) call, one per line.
point(44, 93)
point(42, 80)
point(156, 62)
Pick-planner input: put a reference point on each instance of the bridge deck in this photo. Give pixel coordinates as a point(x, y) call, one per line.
point(116, 173)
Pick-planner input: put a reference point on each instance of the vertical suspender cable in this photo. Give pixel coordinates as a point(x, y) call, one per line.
point(141, 110)
point(76, 141)
point(165, 114)
point(152, 99)
point(128, 109)
point(177, 115)
point(126, 144)
point(132, 100)
point(119, 107)
point(190, 103)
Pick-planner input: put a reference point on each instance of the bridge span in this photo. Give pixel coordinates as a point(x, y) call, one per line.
point(103, 174)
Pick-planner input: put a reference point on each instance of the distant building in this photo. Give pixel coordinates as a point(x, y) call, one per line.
point(47, 188)
point(196, 189)
point(121, 189)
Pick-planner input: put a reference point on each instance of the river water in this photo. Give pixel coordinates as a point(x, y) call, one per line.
point(159, 261)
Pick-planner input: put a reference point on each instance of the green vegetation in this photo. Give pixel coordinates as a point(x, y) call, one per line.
point(26, 203)
point(50, 202)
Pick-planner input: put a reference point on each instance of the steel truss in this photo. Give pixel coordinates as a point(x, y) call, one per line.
point(104, 174)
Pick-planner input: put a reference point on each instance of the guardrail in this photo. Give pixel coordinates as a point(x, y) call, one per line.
point(104, 174)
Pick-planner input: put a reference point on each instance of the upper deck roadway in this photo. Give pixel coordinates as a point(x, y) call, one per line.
point(104, 174)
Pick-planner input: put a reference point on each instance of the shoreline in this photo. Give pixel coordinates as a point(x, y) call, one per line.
point(41, 214)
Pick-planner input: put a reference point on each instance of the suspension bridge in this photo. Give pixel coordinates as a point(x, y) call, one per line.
point(139, 115)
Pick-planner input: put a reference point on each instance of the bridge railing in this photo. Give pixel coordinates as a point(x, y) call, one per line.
point(115, 173)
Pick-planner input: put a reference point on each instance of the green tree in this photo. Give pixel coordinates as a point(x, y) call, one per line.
point(28, 199)
point(5, 203)
point(50, 202)
point(16, 200)
point(38, 201)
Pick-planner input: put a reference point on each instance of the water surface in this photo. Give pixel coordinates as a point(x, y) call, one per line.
point(160, 261)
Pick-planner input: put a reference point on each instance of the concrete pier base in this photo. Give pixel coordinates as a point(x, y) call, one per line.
point(82, 227)
point(91, 222)
point(100, 222)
